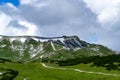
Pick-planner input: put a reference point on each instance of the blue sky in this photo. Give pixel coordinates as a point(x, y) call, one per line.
point(95, 21)
point(15, 2)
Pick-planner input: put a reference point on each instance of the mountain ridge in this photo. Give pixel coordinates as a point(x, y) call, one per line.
point(59, 40)
point(35, 48)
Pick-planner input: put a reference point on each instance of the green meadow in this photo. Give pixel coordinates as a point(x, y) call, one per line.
point(35, 71)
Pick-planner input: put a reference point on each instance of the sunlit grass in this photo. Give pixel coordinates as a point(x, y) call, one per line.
point(35, 71)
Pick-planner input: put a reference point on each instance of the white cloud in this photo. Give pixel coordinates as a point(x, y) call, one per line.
point(9, 27)
point(92, 20)
point(27, 1)
point(4, 21)
point(35, 3)
point(107, 10)
point(23, 28)
point(31, 28)
point(10, 5)
point(108, 15)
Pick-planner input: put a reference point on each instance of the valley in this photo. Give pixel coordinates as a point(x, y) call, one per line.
point(56, 58)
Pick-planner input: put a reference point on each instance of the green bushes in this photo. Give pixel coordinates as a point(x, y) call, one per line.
point(110, 62)
point(8, 74)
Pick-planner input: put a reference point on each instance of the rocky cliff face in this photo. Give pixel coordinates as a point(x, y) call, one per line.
point(34, 48)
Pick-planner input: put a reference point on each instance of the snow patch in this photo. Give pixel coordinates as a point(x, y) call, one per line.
point(41, 47)
point(1, 37)
point(31, 47)
point(61, 39)
point(53, 46)
point(41, 56)
point(36, 39)
point(44, 40)
point(95, 49)
point(77, 49)
point(22, 40)
point(33, 55)
point(12, 39)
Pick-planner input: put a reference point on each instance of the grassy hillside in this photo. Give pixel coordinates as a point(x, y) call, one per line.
point(35, 71)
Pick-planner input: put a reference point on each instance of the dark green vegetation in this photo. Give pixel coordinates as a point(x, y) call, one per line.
point(83, 53)
point(7, 74)
point(20, 58)
point(110, 62)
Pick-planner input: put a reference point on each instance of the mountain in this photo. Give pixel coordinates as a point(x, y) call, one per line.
point(59, 51)
point(34, 48)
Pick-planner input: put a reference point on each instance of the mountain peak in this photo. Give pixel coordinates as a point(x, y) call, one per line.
point(70, 42)
point(29, 48)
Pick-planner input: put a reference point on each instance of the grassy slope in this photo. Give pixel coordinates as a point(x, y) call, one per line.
point(35, 71)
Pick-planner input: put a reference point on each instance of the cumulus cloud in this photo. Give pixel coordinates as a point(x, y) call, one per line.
point(27, 1)
point(13, 24)
point(92, 20)
point(70, 16)
point(108, 15)
point(107, 11)
point(4, 21)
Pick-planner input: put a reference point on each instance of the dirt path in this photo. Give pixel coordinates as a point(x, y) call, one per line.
point(78, 70)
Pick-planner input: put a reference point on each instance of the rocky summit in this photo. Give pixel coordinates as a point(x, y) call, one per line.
point(35, 48)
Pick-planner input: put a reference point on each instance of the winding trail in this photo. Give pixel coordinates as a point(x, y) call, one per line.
point(78, 70)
